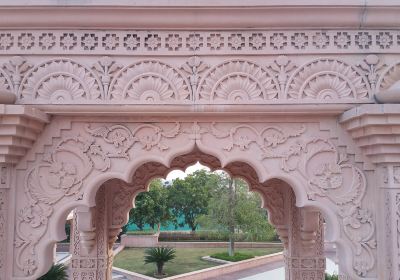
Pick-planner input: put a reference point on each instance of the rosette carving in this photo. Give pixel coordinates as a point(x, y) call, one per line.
point(327, 79)
point(150, 82)
point(238, 81)
point(60, 81)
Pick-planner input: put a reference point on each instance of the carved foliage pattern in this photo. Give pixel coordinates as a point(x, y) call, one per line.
point(329, 174)
point(65, 81)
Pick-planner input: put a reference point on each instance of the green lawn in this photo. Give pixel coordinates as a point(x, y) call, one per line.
point(187, 259)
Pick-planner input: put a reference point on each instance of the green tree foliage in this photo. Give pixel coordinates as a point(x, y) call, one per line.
point(233, 208)
point(159, 256)
point(151, 207)
point(189, 197)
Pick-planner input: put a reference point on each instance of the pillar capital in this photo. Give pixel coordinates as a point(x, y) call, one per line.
point(375, 128)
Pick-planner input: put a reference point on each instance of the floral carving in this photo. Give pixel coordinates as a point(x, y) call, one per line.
point(150, 82)
point(242, 136)
point(238, 81)
point(16, 69)
point(5, 81)
point(122, 138)
point(6, 41)
point(330, 175)
point(372, 67)
point(106, 69)
point(63, 171)
point(59, 81)
point(282, 66)
point(194, 66)
point(327, 79)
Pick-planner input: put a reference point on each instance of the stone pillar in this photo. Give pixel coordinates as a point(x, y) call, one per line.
point(389, 189)
point(94, 231)
point(304, 256)
point(5, 221)
point(375, 129)
point(89, 241)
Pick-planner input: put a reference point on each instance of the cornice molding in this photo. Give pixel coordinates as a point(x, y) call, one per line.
point(289, 14)
point(375, 128)
point(21, 125)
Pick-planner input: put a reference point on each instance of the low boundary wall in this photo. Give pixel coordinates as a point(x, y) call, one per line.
point(212, 271)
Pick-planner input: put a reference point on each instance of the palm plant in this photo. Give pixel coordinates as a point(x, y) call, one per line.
point(331, 277)
point(56, 272)
point(159, 256)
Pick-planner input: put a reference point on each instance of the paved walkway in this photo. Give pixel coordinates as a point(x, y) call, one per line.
point(252, 272)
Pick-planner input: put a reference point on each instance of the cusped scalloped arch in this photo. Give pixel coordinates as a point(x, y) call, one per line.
point(327, 80)
point(60, 80)
point(236, 81)
point(150, 81)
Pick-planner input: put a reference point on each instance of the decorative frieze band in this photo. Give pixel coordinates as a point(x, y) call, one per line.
point(198, 42)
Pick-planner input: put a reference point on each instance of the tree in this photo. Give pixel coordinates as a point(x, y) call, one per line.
point(151, 207)
point(233, 208)
point(188, 198)
point(159, 256)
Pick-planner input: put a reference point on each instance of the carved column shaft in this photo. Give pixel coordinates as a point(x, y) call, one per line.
point(389, 183)
point(6, 222)
point(304, 257)
point(89, 242)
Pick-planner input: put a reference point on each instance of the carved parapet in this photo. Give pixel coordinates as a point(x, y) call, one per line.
point(376, 130)
point(19, 128)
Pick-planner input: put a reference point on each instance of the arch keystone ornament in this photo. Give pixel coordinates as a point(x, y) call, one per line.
point(91, 111)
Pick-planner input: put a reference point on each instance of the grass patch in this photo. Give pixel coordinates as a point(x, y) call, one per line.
point(187, 259)
point(238, 256)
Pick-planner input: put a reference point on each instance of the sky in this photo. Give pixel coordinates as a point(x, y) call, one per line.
point(180, 174)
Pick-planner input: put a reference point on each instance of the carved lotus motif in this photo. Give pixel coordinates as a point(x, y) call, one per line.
point(239, 89)
point(149, 81)
point(150, 89)
point(59, 81)
point(326, 79)
point(60, 89)
point(239, 80)
point(327, 87)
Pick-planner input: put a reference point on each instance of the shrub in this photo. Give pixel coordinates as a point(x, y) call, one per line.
point(56, 272)
point(159, 256)
point(235, 258)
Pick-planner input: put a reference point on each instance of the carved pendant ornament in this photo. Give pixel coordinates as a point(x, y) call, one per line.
point(197, 80)
point(61, 174)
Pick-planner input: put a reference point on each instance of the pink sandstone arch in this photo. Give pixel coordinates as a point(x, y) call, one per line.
point(303, 94)
point(68, 172)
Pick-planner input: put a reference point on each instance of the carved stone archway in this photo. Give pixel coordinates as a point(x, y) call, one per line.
point(68, 173)
point(292, 104)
